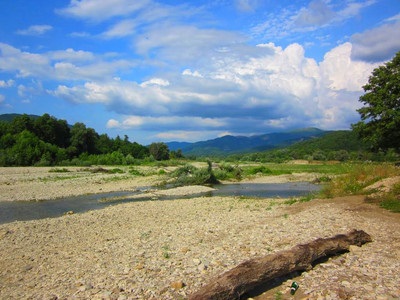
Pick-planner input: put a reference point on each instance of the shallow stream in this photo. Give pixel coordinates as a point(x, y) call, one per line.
point(33, 210)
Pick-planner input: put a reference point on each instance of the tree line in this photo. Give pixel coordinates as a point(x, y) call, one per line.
point(46, 140)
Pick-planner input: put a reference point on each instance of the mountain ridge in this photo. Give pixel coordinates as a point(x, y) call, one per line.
point(230, 144)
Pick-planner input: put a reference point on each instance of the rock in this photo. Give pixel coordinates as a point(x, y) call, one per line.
point(196, 261)
point(177, 285)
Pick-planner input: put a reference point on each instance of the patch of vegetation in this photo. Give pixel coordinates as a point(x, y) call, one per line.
point(357, 178)
point(254, 170)
point(278, 295)
point(389, 200)
point(308, 197)
point(58, 170)
point(116, 171)
point(226, 171)
point(135, 172)
point(166, 251)
point(290, 201)
point(190, 175)
point(58, 178)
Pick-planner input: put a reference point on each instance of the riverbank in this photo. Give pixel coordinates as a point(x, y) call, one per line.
point(45, 183)
point(169, 249)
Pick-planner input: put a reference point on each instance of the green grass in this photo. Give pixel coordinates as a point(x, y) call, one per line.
point(357, 178)
point(361, 176)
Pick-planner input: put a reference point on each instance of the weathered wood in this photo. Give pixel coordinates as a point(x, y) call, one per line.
point(255, 272)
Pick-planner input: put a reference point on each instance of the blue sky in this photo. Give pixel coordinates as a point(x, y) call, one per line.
point(193, 70)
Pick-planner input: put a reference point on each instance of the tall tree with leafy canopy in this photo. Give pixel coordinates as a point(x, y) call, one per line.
point(380, 116)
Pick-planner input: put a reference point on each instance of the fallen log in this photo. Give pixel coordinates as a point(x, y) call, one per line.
point(255, 272)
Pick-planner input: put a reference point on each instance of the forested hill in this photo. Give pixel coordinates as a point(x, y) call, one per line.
point(228, 144)
point(339, 145)
point(10, 117)
point(44, 140)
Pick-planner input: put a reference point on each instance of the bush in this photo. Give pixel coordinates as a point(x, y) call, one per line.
point(258, 170)
point(190, 175)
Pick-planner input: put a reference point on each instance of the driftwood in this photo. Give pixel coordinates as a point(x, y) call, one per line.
point(255, 272)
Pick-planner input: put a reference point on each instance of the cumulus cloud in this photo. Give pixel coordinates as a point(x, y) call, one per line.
point(35, 30)
point(171, 122)
point(280, 89)
point(378, 44)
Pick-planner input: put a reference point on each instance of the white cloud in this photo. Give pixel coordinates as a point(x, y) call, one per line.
point(7, 84)
point(97, 11)
point(155, 81)
point(189, 72)
point(113, 124)
point(120, 29)
point(168, 122)
point(340, 72)
point(71, 55)
point(35, 30)
point(318, 14)
point(246, 5)
point(67, 64)
point(192, 43)
point(280, 89)
point(377, 44)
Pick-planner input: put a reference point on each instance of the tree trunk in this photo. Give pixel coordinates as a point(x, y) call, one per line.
point(254, 272)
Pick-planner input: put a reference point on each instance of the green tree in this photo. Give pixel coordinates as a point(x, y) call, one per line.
point(51, 130)
point(83, 139)
point(380, 116)
point(21, 123)
point(159, 151)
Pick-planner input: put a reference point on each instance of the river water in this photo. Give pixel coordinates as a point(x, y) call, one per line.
point(33, 210)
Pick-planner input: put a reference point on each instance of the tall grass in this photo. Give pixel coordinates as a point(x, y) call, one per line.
point(358, 177)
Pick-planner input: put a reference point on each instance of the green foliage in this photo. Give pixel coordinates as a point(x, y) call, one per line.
point(341, 145)
point(135, 172)
point(226, 171)
point(159, 151)
point(380, 116)
point(190, 175)
point(258, 170)
point(46, 141)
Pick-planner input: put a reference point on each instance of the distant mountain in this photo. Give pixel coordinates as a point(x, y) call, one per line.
point(10, 117)
point(241, 144)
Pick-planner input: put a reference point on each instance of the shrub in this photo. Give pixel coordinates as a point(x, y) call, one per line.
point(190, 175)
point(258, 170)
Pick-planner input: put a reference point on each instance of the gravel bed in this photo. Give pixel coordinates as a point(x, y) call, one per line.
point(169, 249)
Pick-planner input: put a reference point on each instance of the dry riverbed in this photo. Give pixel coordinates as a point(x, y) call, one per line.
point(169, 249)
